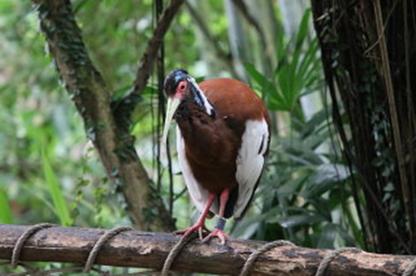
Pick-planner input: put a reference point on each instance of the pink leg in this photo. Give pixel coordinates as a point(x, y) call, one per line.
point(200, 224)
point(219, 229)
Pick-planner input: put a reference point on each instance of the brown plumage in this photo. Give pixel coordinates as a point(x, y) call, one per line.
point(212, 143)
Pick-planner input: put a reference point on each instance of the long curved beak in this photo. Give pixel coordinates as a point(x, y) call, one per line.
point(173, 104)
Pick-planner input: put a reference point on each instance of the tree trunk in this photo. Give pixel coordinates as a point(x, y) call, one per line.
point(367, 48)
point(92, 98)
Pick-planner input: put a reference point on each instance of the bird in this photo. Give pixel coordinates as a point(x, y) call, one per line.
point(222, 140)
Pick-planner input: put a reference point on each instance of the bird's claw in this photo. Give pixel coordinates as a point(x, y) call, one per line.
point(216, 233)
point(195, 228)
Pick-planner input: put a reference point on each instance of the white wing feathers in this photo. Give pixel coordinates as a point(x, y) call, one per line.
point(250, 161)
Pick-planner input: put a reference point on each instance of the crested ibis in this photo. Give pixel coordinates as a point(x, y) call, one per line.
point(222, 139)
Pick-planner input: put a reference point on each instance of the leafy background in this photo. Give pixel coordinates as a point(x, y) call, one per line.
point(50, 172)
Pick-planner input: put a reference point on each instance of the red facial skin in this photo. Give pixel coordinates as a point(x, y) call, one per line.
point(181, 89)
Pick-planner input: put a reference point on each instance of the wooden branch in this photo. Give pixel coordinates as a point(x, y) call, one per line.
point(92, 98)
point(149, 250)
point(268, 52)
point(127, 104)
point(251, 20)
point(225, 57)
point(153, 46)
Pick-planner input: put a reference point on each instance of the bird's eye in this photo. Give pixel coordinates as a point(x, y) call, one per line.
point(181, 86)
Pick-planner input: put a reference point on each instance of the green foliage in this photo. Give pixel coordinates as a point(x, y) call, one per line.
point(6, 215)
point(297, 73)
point(307, 190)
point(50, 172)
point(305, 195)
point(37, 116)
point(56, 192)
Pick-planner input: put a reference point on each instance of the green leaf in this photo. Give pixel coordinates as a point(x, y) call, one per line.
point(280, 43)
point(303, 29)
point(6, 215)
point(310, 127)
point(58, 199)
point(272, 95)
point(298, 152)
point(291, 186)
point(325, 178)
point(327, 236)
point(248, 226)
point(308, 62)
point(255, 74)
point(298, 220)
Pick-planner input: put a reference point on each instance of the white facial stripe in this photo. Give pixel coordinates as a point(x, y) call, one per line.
point(208, 107)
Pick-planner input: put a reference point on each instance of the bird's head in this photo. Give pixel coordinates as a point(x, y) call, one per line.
point(176, 83)
point(178, 86)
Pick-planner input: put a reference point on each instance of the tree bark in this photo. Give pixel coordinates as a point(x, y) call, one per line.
point(149, 250)
point(211, 50)
point(92, 98)
point(367, 52)
point(126, 106)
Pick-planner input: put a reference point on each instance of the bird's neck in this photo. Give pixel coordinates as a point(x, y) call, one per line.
point(199, 98)
point(193, 120)
point(190, 111)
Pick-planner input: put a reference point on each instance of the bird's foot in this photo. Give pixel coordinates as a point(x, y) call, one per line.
point(216, 233)
point(200, 228)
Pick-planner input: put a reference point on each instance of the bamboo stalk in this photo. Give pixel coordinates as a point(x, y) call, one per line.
point(385, 63)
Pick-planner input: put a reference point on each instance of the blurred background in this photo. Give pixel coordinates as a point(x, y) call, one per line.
point(47, 157)
point(50, 172)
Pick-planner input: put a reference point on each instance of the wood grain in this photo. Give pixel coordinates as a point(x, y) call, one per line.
point(149, 250)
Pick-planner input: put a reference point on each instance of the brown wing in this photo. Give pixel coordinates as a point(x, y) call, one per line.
point(234, 98)
point(247, 116)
